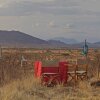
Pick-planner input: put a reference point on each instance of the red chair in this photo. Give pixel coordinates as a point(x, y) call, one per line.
point(38, 69)
point(50, 75)
point(63, 70)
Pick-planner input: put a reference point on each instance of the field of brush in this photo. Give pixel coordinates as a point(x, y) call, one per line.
point(17, 80)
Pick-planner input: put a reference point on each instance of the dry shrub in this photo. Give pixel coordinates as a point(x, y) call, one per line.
point(30, 88)
point(15, 90)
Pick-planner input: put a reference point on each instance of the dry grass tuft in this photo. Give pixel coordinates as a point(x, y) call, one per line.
point(31, 89)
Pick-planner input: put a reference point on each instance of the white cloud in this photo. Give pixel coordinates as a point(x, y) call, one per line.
point(59, 17)
point(68, 26)
point(37, 24)
point(52, 24)
point(34, 1)
point(55, 7)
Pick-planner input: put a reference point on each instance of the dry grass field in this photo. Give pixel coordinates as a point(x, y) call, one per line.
point(31, 89)
point(18, 83)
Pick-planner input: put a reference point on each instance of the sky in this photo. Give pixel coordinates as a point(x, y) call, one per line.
point(46, 19)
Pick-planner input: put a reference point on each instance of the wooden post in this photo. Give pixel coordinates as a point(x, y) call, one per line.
point(0, 51)
point(23, 64)
point(98, 69)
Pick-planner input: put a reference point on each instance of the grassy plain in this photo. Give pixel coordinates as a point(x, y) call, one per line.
point(18, 83)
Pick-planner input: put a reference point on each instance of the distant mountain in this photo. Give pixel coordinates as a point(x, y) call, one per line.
point(97, 43)
point(80, 45)
point(72, 43)
point(19, 39)
point(65, 40)
point(57, 43)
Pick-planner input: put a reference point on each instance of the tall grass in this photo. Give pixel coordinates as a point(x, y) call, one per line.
point(30, 88)
point(20, 87)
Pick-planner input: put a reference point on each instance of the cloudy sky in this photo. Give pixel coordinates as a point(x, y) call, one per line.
point(78, 19)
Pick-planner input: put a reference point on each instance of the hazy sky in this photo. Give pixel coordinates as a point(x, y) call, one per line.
point(78, 19)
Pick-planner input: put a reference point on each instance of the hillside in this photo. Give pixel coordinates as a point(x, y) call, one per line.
point(19, 39)
point(57, 43)
point(65, 40)
point(98, 43)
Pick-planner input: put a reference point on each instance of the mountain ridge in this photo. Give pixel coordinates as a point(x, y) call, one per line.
point(65, 40)
point(20, 39)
